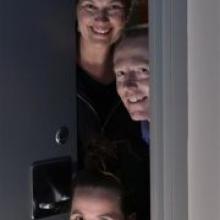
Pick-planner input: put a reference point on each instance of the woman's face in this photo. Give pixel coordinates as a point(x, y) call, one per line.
point(101, 21)
point(95, 204)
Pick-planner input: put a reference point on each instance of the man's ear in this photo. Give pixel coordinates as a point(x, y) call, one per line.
point(132, 216)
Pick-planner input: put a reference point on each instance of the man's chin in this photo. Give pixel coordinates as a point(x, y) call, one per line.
point(139, 116)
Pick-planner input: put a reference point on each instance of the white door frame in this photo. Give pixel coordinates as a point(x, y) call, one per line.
point(168, 150)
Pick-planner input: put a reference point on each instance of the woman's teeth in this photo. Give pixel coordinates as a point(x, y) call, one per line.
point(101, 31)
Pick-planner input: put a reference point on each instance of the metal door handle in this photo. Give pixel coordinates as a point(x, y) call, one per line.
point(52, 184)
point(50, 206)
point(47, 206)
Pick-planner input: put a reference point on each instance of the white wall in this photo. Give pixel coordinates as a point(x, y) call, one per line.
point(204, 109)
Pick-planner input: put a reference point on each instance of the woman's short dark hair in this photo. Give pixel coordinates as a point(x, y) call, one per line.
point(107, 182)
point(101, 171)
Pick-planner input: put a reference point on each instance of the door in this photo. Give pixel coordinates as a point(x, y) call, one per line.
point(37, 102)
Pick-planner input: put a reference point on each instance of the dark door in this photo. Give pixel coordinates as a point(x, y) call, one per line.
point(36, 96)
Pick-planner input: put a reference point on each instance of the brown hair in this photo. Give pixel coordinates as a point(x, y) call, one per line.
point(101, 166)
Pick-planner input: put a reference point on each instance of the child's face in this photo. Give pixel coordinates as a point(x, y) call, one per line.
point(131, 66)
point(95, 204)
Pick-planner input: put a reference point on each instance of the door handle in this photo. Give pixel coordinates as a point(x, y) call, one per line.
point(52, 183)
point(51, 206)
point(47, 206)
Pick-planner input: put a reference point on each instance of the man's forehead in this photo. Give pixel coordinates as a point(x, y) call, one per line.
point(129, 50)
point(133, 41)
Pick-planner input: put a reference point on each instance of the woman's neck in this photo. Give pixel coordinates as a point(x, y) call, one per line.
point(97, 61)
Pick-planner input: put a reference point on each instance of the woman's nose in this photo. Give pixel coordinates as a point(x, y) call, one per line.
point(102, 15)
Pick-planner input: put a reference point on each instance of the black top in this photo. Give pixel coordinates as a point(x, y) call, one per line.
point(102, 97)
point(100, 112)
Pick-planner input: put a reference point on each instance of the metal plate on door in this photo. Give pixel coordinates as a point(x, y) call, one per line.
point(52, 180)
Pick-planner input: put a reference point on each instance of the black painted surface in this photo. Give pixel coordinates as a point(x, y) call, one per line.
point(36, 94)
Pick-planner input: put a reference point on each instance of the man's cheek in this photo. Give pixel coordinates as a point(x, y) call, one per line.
point(144, 88)
point(123, 97)
point(119, 90)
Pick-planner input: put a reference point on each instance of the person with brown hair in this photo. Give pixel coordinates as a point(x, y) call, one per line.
point(98, 191)
point(116, 162)
point(100, 24)
point(97, 196)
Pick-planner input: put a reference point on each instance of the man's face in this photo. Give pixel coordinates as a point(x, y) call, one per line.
point(131, 66)
point(95, 204)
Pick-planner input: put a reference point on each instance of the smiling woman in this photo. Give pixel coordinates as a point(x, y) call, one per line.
point(100, 22)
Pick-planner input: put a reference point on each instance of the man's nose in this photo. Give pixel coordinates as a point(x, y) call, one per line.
point(130, 83)
point(102, 15)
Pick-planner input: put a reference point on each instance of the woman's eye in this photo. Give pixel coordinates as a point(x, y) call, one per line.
point(89, 7)
point(106, 218)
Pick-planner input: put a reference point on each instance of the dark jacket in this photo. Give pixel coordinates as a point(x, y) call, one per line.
point(118, 127)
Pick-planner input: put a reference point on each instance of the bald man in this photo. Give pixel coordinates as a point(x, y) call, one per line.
point(131, 67)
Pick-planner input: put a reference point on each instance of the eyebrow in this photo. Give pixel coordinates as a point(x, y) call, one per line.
point(116, 1)
point(75, 212)
point(138, 62)
point(86, 1)
point(111, 215)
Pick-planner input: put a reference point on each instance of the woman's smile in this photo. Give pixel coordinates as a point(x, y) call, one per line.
point(102, 31)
